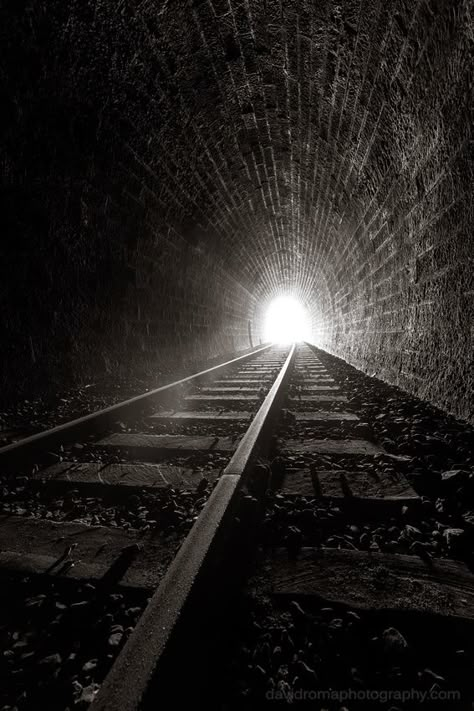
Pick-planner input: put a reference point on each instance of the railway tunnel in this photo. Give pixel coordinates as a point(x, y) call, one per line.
point(170, 168)
point(236, 444)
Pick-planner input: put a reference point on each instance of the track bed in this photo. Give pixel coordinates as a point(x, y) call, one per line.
point(293, 533)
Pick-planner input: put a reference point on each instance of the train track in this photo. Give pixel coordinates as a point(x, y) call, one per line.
point(94, 512)
point(196, 544)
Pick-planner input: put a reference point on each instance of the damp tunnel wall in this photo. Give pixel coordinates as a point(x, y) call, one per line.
point(167, 168)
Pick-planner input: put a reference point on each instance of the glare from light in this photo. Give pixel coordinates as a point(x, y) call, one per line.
point(286, 321)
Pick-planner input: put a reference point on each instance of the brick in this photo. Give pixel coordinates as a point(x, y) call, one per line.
point(184, 171)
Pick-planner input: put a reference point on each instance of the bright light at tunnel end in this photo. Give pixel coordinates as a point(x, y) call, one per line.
point(286, 321)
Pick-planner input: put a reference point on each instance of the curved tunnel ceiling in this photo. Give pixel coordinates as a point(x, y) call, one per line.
point(256, 146)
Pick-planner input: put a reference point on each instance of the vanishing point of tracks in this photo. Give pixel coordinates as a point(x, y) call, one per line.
point(234, 540)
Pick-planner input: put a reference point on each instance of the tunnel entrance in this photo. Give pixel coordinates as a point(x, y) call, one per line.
point(286, 321)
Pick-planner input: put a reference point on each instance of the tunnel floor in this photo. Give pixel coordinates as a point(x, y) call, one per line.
point(344, 572)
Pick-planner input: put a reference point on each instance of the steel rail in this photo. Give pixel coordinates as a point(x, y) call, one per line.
point(27, 449)
point(138, 666)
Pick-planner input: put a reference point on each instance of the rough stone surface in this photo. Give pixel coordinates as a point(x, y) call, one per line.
point(167, 168)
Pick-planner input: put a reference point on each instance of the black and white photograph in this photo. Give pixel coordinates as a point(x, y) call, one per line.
point(236, 355)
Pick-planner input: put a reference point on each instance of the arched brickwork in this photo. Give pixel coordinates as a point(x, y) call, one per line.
point(169, 166)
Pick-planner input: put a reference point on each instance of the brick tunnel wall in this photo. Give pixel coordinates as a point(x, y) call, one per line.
point(100, 267)
point(390, 236)
point(402, 286)
point(167, 168)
